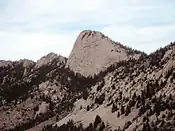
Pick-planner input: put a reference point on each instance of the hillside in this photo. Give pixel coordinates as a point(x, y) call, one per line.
point(134, 93)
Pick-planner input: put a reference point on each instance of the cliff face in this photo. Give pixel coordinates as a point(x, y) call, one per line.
point(93, 52)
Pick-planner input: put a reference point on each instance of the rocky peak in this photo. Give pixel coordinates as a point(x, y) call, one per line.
point(93, 52)
point(88, 34)
point(49, 58)
point(27, 63)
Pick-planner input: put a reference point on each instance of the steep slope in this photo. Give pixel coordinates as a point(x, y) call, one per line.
point(25, 91)
point(131, 95)
point(93, 52)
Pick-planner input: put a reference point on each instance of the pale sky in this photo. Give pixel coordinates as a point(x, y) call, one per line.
point(33, 28)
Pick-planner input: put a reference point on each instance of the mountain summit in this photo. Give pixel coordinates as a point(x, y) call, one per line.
point(93, 52)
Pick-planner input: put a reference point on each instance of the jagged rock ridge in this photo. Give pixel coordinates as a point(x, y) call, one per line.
point(45, 60)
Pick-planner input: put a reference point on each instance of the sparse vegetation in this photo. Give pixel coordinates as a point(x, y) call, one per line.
point(133, 86)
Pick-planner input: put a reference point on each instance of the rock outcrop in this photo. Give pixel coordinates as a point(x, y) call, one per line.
point(94, 52)
point(49, 58)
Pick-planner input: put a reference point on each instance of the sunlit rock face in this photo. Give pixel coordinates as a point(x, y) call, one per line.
point(93, 52)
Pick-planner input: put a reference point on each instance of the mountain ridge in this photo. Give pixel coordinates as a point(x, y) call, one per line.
point(131, 94)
